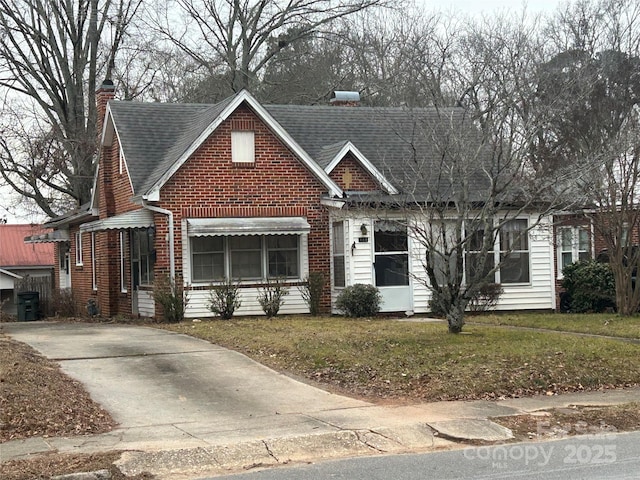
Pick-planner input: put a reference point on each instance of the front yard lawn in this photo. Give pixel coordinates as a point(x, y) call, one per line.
point(386, 359)
point(608, 324)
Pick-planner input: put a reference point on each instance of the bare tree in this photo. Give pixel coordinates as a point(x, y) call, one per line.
point(50, 56)
point(595, 127)
point(472, 198)
point(236, 40)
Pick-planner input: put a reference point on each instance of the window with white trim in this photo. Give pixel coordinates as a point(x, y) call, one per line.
point(339, 277)
point(94, 276)
point(513, 246)
point(78, 246)
point(573, 246)
point(245, 257)
point(123, 277)
point(514, 252)
point(142, 256)
point(477, 264)
point(243, 146)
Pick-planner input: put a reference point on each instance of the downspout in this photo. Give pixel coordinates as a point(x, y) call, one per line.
point(172, 254)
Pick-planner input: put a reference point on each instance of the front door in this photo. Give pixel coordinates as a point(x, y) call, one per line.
point(391, 265)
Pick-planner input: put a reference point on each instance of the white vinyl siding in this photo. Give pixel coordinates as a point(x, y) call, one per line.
point(538, 293)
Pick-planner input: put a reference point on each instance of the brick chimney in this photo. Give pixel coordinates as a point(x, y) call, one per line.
point(345, 99)
point(106, 92)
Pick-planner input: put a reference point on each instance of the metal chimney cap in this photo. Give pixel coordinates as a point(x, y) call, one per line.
point(345, 96)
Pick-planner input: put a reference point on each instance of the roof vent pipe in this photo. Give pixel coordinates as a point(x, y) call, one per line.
point(345, 98)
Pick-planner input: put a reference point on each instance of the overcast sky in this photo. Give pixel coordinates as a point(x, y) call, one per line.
point(470, 7)
point(478, 7)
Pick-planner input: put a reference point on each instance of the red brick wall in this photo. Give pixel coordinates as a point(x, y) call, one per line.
point(208, 185)
point(349, 169)
point(278, 184)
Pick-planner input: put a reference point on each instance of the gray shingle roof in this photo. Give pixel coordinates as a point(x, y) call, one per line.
point(405, 145)
point(153, 136)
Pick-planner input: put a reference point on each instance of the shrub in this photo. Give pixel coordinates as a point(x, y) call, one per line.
point(172, 297)
point(359, 300)
point(486, 297)
point(271, 297)
point(63, 303)
point(311, 291)
point(224, 299)
point(590, 286)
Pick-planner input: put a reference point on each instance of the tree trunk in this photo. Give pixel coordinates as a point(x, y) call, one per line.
point(455, 319)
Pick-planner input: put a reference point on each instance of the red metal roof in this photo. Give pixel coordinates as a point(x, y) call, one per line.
point(15, 253)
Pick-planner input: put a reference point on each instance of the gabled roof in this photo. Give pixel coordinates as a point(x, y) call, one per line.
point(338, 155)
point(403, 145)
point(401, 148)
point(157, 138)
point(14, 252)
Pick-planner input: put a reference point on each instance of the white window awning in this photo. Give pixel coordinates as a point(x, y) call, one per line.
point(199, 227)
point(142, 218)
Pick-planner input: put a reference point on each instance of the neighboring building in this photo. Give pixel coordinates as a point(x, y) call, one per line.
point(251, 191)
point(19, 260)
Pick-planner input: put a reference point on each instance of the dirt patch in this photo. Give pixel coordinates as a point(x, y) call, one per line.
point(46, 466)
point(576, 420)
point(37, 399)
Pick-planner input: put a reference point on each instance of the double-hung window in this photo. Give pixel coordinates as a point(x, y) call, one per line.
point(78, 248)
point(338, 255)
point(207, 258)
point(513, 246)
point(514, 252)
point(478, 263)
point(143, 256)
point(574, 246)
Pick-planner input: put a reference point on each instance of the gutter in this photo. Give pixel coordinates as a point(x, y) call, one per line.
point(172, 248)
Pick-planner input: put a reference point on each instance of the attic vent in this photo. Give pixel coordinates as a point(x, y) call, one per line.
point(343, 98)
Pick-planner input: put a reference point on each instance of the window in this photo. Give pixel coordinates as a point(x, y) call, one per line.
point(477, 264)
point(78, 249)
point(94, 276)
point(142, 256)
point(574, 246)
point(339, 277)
point(514, 252)
point(243, 147)
point(207, 258)
point(391, 253)
point(123, 278)
point(244, 257)
point(282, 255)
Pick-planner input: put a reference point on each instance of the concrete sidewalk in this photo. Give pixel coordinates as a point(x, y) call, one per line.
point(188, 409)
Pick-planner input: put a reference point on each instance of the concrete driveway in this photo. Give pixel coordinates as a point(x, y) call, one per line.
point(173, 386)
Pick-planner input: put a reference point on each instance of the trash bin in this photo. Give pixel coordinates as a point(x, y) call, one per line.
point(28, 306)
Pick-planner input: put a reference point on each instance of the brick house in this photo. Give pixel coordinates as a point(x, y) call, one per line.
point(244, 190)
